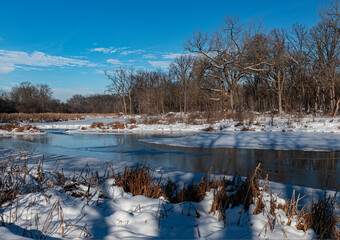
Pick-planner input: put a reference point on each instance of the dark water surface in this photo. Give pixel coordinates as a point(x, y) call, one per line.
point(311, 169)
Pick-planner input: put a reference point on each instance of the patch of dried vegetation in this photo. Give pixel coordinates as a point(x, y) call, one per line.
point(48, 117)
point(13, 127)
point(228, 193)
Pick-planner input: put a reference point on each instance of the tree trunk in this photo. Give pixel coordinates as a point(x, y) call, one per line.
point(185, 100)
point(279, 99)
point(124, 105)
point(231, 96)
point(336, 108)
point(130, 101)
point(317, 97)
point(223, 97)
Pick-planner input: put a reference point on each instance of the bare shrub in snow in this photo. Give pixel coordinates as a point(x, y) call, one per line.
point(99, 125)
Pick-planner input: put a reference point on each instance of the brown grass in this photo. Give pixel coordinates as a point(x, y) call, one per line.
point(246, 129)
point(245, 191)
point(196, 118)
point(132, 121)
point(191, 192)
point(321, 217)
point(150, 120)
point(209, 129)
point(139, 181)
point(99, 125)
point(239, 124)
point(193, 118)
point(19, 128)
point(9, 127)
point(48, 117)
point(38, 117)
point(116, 125)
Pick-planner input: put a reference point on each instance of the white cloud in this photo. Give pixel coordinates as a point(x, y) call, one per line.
point(107, 50)
point(160, 64)
point(174, 55)
point(138, 51)
point(6, 67)
point(98, 71)
point(9, 60)
point(103, 50)
point(114, 61)
point(29, 68)
point(149, 56)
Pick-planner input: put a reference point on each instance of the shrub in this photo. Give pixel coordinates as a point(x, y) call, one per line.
point(99, 125)
point(139, 181)
point(209, 129)
point(116, 125)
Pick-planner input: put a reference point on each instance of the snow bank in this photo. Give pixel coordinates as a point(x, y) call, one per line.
point(255, 140)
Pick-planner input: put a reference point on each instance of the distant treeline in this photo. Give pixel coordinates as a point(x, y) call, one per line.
point(239, 67)
point(28, 98)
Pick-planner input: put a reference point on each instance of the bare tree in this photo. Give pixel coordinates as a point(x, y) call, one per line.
point(121, 85)
point(331, 14)
point(226, 52)
point(302, 84)
point(325, 45)
point(44, 97)
point(183, 69)
point(278, 63)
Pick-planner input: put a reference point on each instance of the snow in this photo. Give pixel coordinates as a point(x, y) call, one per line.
point(122, 215)
point(255, 140)
point(274, 133)
point(266, 124)
point(75, 124)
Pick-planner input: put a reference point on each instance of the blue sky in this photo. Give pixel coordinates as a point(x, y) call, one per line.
point(67, 43)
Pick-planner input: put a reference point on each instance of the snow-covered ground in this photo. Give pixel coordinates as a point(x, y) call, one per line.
point(255, 140)
point(266, 124)
point(308, 134)
point(58, 214)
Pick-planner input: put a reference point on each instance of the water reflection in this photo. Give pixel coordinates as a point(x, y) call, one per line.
point(290, 167)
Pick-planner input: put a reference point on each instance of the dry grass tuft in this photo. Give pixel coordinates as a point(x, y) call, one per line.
point(241, 192)
point(19, 128)
point(99, 125)
point(9, 127)
point(246, 129)
point(116, 125)
point(191, 192)
point(147, 120)
point(239, 124)
point(193, 118)
point(132, 121)
point(209, 129)
point(139, 181)
point(38, 117)
point(321, 217)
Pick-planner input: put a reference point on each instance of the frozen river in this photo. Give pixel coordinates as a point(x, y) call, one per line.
point(305, 168)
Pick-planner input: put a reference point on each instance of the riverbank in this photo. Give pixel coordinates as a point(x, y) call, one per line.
point(102, 204)
point(261, 132)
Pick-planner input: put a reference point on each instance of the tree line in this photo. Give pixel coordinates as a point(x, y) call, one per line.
point(28, 98)
point(239, 67)
point(242, 67)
